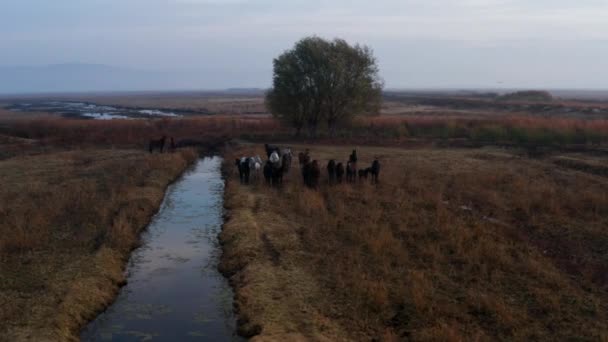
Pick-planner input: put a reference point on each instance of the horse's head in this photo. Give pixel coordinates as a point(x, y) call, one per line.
point(274, 157)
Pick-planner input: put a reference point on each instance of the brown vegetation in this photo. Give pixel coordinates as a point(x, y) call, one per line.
point(452, 245)
point(519, 131)
point(68, 221)
point(75, 132)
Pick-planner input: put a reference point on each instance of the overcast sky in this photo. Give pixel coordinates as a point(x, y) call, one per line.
point(418, 43)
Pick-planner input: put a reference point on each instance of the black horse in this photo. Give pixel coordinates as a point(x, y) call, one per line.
point(375, 171)
point(331, 171)
point(363, 173)
point(268, 173)
point(244, 169)
point(353, 157)
point(277, 174)
point(270, 149)
point(304, 158)
point(311, 174)
point(277, 169)
point(339, 172)
point(157, 144)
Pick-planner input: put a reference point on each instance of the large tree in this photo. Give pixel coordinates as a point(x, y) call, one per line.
point(323, 81)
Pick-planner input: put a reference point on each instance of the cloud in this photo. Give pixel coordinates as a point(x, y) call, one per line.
point(467, 37)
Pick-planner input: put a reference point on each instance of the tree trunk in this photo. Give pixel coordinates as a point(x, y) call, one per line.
point(332, 128)
point(312, 130)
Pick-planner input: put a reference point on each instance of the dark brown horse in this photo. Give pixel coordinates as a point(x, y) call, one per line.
point(157, 144)
point(331, 171)
point(304, 158)
point(351, 172)
point(363, 173)
point(375, 171)
point(353, 158)
point(339, 172)
point(311, 174)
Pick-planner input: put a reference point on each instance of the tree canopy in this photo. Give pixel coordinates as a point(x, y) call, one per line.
point(324, 82)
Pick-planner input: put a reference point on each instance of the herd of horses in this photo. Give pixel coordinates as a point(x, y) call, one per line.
point(279, 161)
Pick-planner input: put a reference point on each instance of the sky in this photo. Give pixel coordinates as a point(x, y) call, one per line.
point(213, 44)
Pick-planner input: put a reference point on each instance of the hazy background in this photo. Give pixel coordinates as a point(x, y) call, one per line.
point(91, 45)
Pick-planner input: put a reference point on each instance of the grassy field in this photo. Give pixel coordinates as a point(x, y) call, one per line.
point(68, 222)
point(457, 245)
point(454, 244)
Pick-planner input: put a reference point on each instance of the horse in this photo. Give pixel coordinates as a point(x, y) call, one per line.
point(315, 174)
point(353, 158)
point(363, 173)
point(172, 145)
point(244, 169)
point(157, 144)
point(351, 172)
point(375, 171)
point(268, 173)
point(270, 149)
point(279, 167)
point(331, 171)
point(287, 156)
point(339, 172)
point(255, 166)
point(311, 174)
point(304, 158)
point(274, 157)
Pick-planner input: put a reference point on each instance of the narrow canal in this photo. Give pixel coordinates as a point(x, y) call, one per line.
point(174, 291)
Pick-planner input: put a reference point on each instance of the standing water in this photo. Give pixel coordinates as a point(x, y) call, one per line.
point(174, 291)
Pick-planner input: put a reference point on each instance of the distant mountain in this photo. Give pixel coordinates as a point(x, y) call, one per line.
point(78, 78)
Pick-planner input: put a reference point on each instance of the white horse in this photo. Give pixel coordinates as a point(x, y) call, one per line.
point(255, 165)
point(274, 157)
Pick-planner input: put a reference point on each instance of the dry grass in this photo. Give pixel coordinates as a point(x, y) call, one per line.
point(74, 132)
point(447, 127)
point(68, 221)
point(453, 245)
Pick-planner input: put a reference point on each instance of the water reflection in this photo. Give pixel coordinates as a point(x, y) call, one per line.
point(175, 292)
